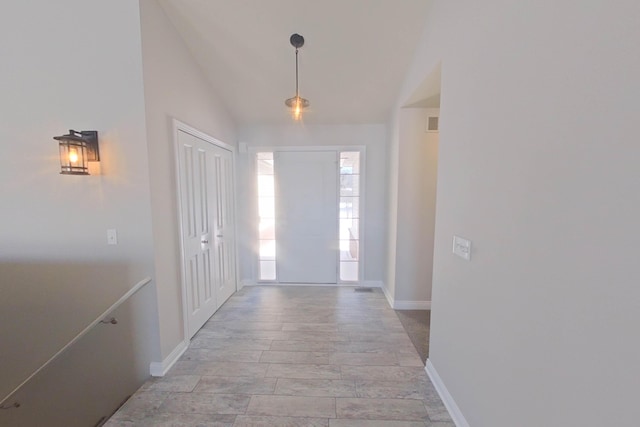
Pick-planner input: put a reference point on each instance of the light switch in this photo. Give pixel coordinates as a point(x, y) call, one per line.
point(462, 247)
point(112, 236)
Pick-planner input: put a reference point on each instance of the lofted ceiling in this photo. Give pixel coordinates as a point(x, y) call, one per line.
point(352, 65)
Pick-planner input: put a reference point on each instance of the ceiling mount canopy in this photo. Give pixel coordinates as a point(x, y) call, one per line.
point(296, 40)
point(297, 103)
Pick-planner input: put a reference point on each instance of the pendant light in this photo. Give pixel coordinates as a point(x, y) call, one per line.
point(297, 104)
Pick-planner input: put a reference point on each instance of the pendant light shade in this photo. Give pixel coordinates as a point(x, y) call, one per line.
point(297, 103)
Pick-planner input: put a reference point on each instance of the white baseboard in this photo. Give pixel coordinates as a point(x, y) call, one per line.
point(404, 305)
point(246, 282)
point(364, 284)
point(159, 369)
point(412, 305)
point(388, 296)
point(447, 399)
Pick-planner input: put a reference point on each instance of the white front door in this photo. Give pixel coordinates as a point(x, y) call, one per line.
point(205, 181)
point(306, 195)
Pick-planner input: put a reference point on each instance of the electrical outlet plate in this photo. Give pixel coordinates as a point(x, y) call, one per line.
point(462, 247)
point(112, 236)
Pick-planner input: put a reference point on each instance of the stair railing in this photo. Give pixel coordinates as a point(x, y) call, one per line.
point(104, 318)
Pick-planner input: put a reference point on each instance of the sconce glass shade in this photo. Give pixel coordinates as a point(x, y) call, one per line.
point(76, 150)
point(73, 158)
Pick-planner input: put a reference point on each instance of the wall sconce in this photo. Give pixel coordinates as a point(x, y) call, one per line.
point(76, 150)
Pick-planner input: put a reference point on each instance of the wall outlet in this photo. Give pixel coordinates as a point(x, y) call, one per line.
point(112, 236)
point(462, 247)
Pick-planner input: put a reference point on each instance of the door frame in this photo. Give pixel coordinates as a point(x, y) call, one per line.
point(362, 149)
point(177, 127)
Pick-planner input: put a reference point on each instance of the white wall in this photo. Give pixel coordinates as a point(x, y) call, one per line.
point(391, 195)
point(538, 166)
point(174, 87)
point(414, 225)
point(371, 136)
point(69, 64)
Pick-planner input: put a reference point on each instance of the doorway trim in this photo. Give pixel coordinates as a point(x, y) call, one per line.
point(362, 149)
point(177, 127)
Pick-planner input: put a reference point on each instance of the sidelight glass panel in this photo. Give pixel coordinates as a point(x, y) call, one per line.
point(268, 250)
point(349, 250)
point(266, 207)
point(265, 185)
point(349, 271)
point(267, 270)
point(266, 215)
point(267, 229)
point(349, 162)
point(265, 164)
point(349, 228)
point(349, 216)
point(350, 185)
point(349, 207)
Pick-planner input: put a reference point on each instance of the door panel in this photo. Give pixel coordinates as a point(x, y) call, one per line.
point(225, 227)
point(206, 219)
point(306, 186)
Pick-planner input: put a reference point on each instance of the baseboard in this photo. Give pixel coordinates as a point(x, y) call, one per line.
point(447, 399)
point(246, 282)
point(412, 305)
point(404, 305)
point(159, 369)
point(364, 284)
point(388, 296)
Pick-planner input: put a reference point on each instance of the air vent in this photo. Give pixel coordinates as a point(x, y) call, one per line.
point(363, 289)
point(432, 124)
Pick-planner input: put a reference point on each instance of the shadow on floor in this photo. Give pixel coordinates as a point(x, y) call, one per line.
point(416, 323)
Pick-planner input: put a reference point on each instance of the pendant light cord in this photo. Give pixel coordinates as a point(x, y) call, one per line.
point(297, 95)
point(297, 104)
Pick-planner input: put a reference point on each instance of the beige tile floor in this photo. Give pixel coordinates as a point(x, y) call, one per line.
point(291, 356)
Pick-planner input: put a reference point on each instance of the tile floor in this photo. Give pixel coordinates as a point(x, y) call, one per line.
point(290, 356)
point(417, 323)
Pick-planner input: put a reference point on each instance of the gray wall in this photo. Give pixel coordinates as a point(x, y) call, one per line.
point(538, 166)
point(414, 162)
point(174, 87)
point(69, 64)
point(56, 271)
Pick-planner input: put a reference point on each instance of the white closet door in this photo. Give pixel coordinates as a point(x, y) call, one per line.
point(224, 226)
point(207, 227)
point(306, 194)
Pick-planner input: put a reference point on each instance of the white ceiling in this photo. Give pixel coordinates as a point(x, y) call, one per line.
point(355, 56)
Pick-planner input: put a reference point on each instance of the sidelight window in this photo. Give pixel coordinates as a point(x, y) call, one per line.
point(266, 213)
point(349, 215)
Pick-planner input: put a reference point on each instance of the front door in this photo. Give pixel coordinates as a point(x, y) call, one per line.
point(207, 221)
point(306, 197)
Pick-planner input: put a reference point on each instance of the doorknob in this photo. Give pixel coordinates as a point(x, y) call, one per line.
point(219, 235)
point(204, 242)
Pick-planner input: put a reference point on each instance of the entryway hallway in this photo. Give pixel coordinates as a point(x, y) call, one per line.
point(294, 356)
